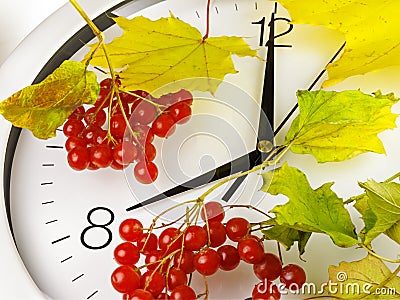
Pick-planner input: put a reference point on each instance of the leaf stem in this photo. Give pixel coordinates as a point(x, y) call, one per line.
point(370, 251)
point(92, 26)
point(100, 36)
point(98, 33)
point(354, 198)
point(207, 20)
point(358, 197)
point(391, 178)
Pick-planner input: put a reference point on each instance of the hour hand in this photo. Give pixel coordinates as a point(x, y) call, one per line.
point(240, 164)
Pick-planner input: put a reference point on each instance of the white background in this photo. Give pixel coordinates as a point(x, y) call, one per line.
point(17, 19)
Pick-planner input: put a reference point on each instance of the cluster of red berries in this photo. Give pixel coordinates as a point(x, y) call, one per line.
point(120, 127)
point(178, 252)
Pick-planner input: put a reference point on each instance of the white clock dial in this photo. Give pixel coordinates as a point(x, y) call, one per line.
point(65, 223)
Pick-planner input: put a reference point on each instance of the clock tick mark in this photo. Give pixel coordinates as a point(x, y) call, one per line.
point(54, 147)
point(77, 277)
point(216, 10)
point(46, 183)
point(236, 7)
point(256, 5)
point(48, 165)
point(49, 222)
point(92, 294)
point(48, 202)
point(65, 259)
point(61, 239)
point(198, 15)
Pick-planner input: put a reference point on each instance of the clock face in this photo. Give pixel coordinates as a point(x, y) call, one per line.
point(65, 223)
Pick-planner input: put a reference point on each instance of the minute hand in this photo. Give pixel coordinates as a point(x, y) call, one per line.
point(267, 101)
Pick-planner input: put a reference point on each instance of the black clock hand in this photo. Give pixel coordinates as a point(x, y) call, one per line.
point(267, 100)
point(240, 164)
point(291, 112)
point(267, 106)
point(235, 185)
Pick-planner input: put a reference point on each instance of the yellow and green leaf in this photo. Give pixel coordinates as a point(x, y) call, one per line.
point(362, 278)
point(309, 210)
point(44, 107)
point(380, 209)
point(335, 126)
point(153, 54)
point(370, 28)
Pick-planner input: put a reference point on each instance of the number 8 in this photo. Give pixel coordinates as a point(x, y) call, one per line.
point(93, 225)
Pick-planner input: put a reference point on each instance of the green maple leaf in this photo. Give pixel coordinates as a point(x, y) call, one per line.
point(370, 28)
point(363, 276)
point(380, 209)
point(309, 210)
point(153, 54)
point(44, 107)
point(335, 126)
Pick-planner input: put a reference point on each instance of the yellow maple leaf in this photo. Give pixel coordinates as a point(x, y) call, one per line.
point(370, 27)
point(152, 54)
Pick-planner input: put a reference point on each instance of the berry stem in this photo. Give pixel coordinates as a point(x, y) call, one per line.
point(163, 225)
point(128, 124)
point(278, 245)
point(170, 209)
point(109, 135)
point(205, 294)
point(191, 215)
point(158, 106)
point(260, 227)
point(249, 207)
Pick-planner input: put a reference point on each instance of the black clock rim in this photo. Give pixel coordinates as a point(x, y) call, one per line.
point(65, 52)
